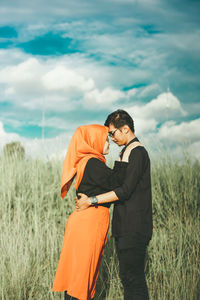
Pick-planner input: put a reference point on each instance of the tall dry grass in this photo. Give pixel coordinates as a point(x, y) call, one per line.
point(33, 217)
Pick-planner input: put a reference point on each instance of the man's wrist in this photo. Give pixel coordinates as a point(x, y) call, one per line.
point(93, 201)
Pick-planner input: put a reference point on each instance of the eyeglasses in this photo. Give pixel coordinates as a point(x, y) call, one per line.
point(112, 133)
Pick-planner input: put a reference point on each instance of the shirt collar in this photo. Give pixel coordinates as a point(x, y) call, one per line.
point(123, 150)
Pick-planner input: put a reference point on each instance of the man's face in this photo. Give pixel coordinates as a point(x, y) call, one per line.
point(117, 135)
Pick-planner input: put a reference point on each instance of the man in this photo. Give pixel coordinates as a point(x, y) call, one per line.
point(132, 216)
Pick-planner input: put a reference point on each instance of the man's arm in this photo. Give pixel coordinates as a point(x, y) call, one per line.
point(133, 174)
point(85, 201)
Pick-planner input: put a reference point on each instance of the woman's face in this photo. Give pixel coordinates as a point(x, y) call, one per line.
point(106, 147)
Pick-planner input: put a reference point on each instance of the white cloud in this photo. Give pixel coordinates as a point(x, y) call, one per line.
point(126, 54)
point(26, 71)
point(56, 84)
point(165, 106)
point(144, 126)
point(95, 98)
point(183, 132)
point(149, 89)
point(131, 92)
point(147, 116)
point(6, 137)
point(33, 84)
point(10, 57)
point(63, 79)
point(58, 123)
point(23, 80)
point(160, 147)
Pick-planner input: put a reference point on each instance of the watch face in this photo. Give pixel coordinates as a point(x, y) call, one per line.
point(94, 200)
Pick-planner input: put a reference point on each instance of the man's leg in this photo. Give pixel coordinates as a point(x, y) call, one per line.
point(131, 264)
point(67, 297)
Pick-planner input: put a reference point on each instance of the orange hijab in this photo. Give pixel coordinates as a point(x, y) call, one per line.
point(88, 141)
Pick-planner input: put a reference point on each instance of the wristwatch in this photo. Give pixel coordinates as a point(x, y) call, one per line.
point(94, 200)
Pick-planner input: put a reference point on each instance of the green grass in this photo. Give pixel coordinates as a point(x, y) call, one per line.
point(33, 217)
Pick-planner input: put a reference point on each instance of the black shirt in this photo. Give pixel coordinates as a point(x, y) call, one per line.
point(98, 178)
point(132, 215)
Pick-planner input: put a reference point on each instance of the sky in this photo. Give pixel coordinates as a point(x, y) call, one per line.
point(68, 63)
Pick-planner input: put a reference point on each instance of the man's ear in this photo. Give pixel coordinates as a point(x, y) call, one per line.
point(125, 129)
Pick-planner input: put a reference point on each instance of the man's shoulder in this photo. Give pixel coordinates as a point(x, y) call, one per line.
point(139, 152)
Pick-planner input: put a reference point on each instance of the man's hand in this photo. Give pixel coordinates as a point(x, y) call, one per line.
point(82, 203)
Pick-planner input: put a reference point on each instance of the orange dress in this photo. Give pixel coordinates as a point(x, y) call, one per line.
point(86, 231)
point(84, 242)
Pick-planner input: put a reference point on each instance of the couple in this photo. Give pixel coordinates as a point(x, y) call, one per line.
point(128, 185)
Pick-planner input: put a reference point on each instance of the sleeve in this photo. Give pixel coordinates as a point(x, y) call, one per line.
point(133, 174)
point(104, 177)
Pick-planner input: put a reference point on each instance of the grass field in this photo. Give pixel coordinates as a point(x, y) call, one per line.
point(33, 217)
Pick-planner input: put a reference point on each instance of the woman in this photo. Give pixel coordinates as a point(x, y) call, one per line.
point(86, 231)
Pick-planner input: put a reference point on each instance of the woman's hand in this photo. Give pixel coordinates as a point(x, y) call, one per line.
point(83, 202)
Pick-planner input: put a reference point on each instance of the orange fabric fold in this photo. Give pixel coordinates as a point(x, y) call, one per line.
point(88, 141)
point(82, 250)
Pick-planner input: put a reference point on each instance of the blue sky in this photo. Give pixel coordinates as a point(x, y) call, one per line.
point(68, 63)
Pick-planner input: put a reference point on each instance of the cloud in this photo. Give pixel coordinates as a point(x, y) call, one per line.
point(23, 78)
point(133, 51)
point(152, 88)
point(155, 121)
point(25, 11)
point(6, 137)
point(55, 86)
point(66, 84)
point(144, 126)
point(153, 141)
point(165, 106)
point(95, 98)
point(183, 132)
point(148, 116)
point(63, 79)
point(33, 82)
point(118, 55)
point(11, 57)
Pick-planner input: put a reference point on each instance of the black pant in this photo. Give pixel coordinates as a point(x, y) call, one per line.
point(131, 265)
point(67, 297)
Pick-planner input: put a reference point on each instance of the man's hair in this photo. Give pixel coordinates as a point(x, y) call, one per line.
point(120, 118)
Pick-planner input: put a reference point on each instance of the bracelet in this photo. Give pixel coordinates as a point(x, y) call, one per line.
point(94, 200)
